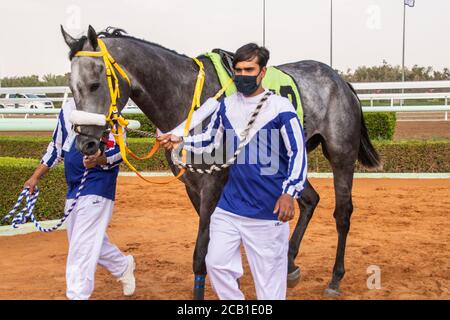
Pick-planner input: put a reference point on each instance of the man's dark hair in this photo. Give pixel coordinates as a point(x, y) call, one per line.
point(249, 51)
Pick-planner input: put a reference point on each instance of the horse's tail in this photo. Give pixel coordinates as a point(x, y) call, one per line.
point(367, 154)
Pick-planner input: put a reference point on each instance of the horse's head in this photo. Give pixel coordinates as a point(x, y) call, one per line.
point(89, 85)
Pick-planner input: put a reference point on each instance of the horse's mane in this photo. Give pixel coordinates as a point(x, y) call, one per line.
point(112, 32)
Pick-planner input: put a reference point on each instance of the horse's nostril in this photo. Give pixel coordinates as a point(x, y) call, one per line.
point(90, 148)
point(90, 145)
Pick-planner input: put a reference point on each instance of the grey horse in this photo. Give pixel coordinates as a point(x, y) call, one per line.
point(162, 84)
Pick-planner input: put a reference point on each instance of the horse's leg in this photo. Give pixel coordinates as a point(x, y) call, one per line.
point(209, 197)
point(343, 181)
point(199, 278)
point(307, 203)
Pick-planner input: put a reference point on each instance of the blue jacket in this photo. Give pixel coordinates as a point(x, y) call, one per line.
point(101, 180)
point(273, 161)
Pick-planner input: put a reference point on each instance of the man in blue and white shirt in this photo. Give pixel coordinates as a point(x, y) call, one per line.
point(258, 198)
point(87, 224)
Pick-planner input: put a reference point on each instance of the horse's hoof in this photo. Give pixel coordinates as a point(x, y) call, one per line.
point(329, 292)
point(293, 278)
point(199, 294)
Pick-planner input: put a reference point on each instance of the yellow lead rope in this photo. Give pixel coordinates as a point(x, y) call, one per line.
point(114, 118)
point(118, 122)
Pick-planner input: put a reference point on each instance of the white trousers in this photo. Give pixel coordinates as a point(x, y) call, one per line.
point(266, 244)
point(89, 245)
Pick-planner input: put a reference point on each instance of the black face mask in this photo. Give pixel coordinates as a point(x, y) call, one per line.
point(246, 84)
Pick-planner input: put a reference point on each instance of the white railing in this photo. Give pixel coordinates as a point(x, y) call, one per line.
point(64, 93)
point(407, 109)
point(35, 90)
point(445, 84)
point(34, 124)
point(404, 96)
point(418, 108)
point(52, 111)
point(442, 84)
point(401, 97)
point(37, 124)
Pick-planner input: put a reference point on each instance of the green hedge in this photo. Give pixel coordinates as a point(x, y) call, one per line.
point(380, 125)
point(146, 124)
point(15, 171)
point(398, 156)
point(35, 147)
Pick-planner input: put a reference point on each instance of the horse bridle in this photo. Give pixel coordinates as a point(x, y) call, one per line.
point(114, 119)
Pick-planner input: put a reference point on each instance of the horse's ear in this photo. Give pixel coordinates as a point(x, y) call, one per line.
point(92, 37)
point(70, 41)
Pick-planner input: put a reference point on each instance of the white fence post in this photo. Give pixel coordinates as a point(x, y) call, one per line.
point(446, 112)
point(66, 94)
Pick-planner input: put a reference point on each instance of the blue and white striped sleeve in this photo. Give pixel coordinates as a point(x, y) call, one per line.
point(294, 140)
point(54, 153)
point(112, 154)
point(211, 136)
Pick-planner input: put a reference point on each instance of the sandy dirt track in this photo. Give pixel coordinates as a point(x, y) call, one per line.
point(402, 226)
point(422, 130)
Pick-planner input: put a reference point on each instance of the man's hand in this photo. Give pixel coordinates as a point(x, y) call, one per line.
point(31, 184)
point(284, 207)
point(94, 160)
point(169, 141)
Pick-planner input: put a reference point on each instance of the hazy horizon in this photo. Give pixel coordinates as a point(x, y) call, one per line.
point(365, 32)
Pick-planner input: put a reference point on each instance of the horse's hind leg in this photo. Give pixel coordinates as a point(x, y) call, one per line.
point(201, 247)
point(307, 203)
point(343, 181)
point(200, 273)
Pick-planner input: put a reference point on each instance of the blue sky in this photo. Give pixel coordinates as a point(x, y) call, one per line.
point(366, 32)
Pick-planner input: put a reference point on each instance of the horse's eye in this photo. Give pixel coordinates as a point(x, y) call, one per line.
point(94, 87)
